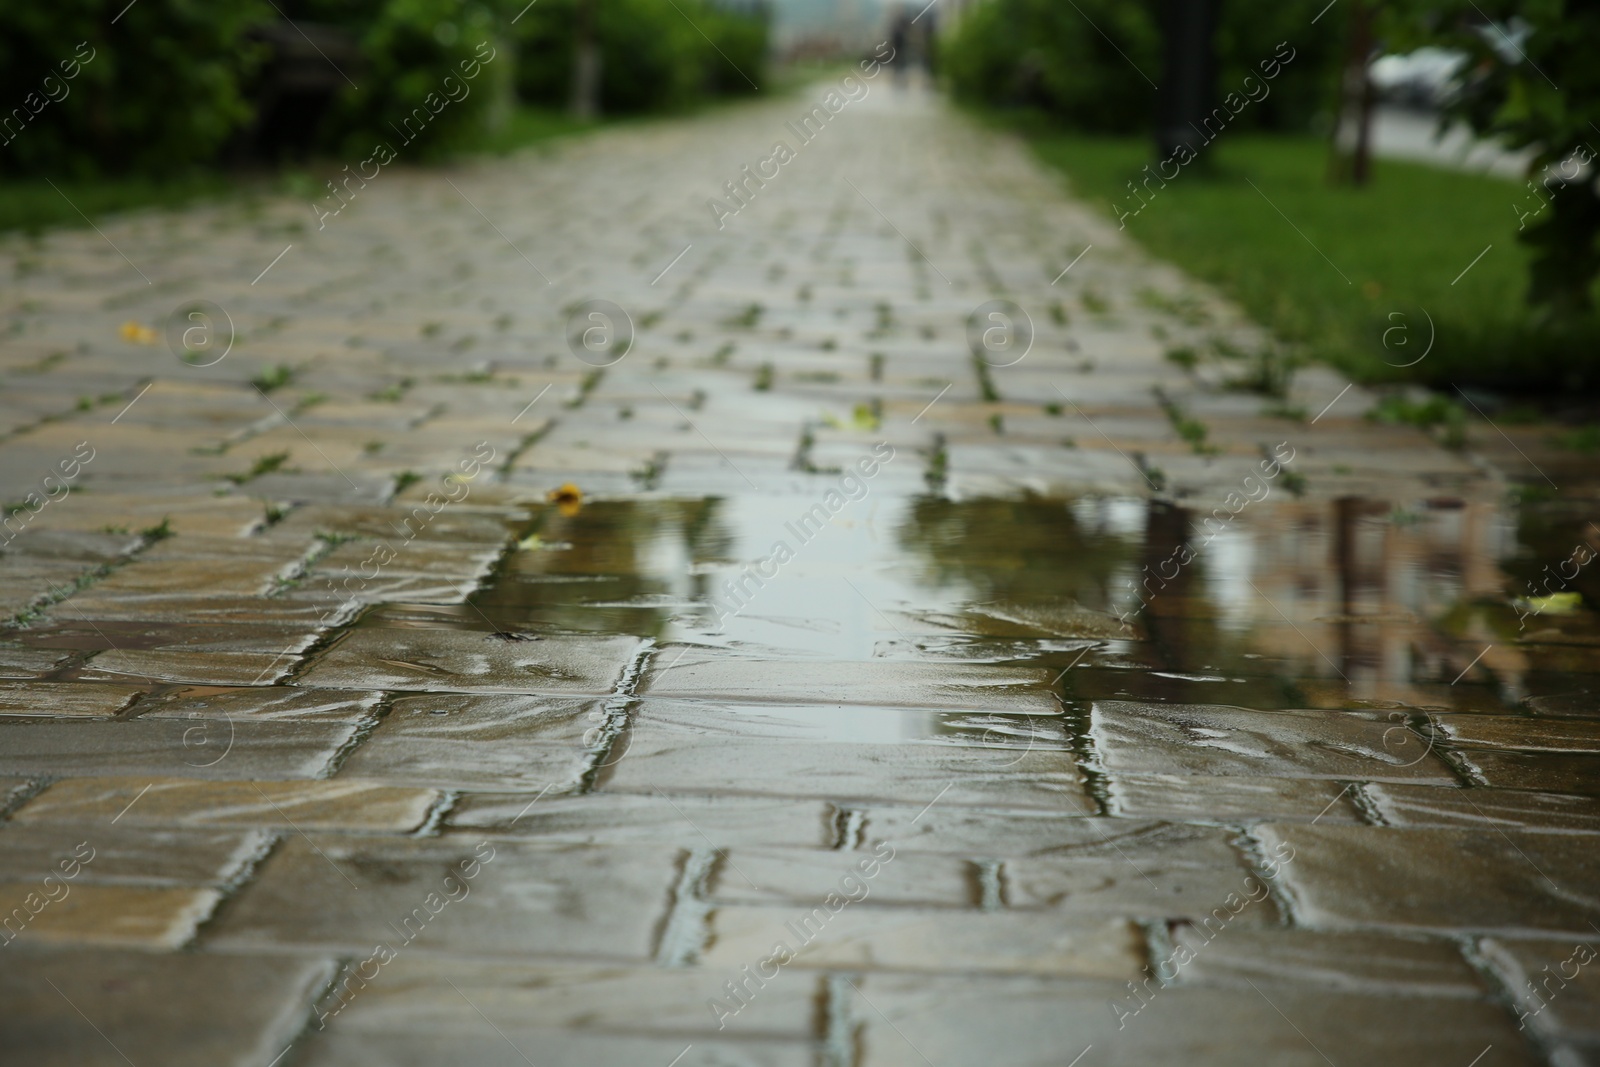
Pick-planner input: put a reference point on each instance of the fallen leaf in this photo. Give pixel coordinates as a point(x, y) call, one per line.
point(568, 499)
point(136, 333)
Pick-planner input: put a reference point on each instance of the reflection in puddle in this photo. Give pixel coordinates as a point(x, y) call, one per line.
point(1294, 604)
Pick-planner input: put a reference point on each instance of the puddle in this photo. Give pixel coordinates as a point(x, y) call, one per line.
point(1345, 603)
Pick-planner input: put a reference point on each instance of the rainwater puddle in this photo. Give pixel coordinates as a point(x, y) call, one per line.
point(1299, 604)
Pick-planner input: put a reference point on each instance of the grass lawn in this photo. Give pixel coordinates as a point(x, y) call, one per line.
point(1327, 267)
point(32, 204)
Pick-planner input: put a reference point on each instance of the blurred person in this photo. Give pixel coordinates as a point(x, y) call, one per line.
point(900, 41)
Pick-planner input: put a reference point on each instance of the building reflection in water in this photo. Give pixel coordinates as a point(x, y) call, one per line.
point(1387, 604)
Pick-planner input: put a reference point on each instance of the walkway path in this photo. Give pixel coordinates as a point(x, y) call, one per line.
point(884, 692)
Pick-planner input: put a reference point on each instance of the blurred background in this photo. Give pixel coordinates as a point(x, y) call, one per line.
point(1402, 138)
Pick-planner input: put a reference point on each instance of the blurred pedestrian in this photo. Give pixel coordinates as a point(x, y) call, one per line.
point(900, 41)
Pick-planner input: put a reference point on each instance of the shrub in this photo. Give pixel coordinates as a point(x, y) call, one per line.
point(159, 91)
point(1092, 63)
point(1041, 53)
point(1511, 93)
point(408, 50)
point(652, 57)
point(172, 83)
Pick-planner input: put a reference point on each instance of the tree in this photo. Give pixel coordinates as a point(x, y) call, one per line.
point(1532, 81)
point(1352, 151)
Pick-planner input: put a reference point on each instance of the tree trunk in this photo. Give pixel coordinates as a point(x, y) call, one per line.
point(1352, 148)
point(585, 64)
point(1188, 76)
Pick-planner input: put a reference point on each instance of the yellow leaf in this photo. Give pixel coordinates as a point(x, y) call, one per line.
point(136, 333)
point(1556, 603)
point(568, 499)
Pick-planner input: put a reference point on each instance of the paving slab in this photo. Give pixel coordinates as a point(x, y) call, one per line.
point(1553, 984)
point(922, 940)
point(1350, 962)
point(186, 1010)
point(1237, 799)
point(127, 855)
point(714, 676)
point(1528, 734)
point(513, 1046)
point(17, 661)
point(1355, 877)
point(344, 804)
point(208, 668)
point(1403, 805)
point(267, 703)
point(1006, 777)
point(171, 747)
point(1152, 872)
point(526, 900)
point(114, 916)
point(421, 994)
point(463, 662)
point(907, 1020)
point(480, 742)
point(1553, 772)
point(138, 636)
point(807, 878)
point(655, 818)
point(1210, 740)
point(66, 700)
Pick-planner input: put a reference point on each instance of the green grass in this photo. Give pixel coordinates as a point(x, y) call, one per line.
point(1364, 261)
point(32, 205)
point(533, 125)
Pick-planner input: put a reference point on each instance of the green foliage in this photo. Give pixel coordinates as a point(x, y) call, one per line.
point(653, 56)
point(1584, 439)
point(1511, 93)
point(1435, 411)
point(431, 72)
point(158, 92)
point(1046, 54)
point(1184, 356)
point(171, 84)
point(274, 377)
point(1094, 64)
point(1270, 372)
point(1401, 242)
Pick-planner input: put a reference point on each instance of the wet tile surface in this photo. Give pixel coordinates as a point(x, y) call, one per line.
point(977, 680)
point(179, 1009)
point(955, 1019)
point(1425, 879)
point(116, 916)
point(346, 804)
point(167, 747)
point(524, 900)
point(1192, 739)
point(480, 742)
point(463, 662)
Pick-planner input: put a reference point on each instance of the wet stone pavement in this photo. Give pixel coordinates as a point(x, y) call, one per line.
point(882, 693)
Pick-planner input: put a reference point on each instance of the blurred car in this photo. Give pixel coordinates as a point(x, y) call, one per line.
point(1427, 78)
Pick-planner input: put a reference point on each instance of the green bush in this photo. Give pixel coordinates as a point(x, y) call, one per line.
point(740, 53)
point(1093, 64)
point(652, 56)
point(159, 91)
point(170, 85)
point(1045, 54)
point(1541, 92)
point(409, 48)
